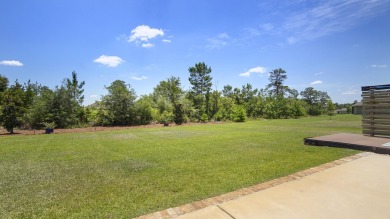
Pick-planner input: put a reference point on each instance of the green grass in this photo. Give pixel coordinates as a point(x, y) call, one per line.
point(127, 173)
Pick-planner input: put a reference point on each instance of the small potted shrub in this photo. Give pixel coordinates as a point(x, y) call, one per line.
point(49, 127)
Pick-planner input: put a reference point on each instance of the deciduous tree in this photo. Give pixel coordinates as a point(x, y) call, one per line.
point(171, 91)
point(143, 110)
point(13, 107)
point(330, 107)
point(39, 110)
point(3, 83)
point(316, 100)
point(119, 103)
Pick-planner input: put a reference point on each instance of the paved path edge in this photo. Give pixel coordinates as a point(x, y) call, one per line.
point(216, 200)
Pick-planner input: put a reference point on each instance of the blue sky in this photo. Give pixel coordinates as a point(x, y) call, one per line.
point(335, 46)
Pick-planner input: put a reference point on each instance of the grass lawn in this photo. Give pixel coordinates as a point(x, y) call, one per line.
point(128, 173)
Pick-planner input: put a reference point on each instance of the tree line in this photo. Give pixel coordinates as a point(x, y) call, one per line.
point(34, 106)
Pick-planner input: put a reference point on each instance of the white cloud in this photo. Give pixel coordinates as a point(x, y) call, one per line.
point(223, 36)
point(351, 92)
point(379, 66)
point(292, 40)
point(218, 42)
point(267, 27)
point(143, 34)
point(110, 61)
point(11, 63)
point(319, 73)
point(328, 17)
point(94, 96)
point(308, 20)
point(316, 82)
point(166, 41)
point(255, 70)
point(147, 45)
point(139, 78)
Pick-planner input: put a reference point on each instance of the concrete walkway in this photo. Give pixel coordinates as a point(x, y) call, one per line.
point(356, 189)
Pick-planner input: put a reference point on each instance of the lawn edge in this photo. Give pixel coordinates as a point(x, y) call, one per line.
point(216, 200)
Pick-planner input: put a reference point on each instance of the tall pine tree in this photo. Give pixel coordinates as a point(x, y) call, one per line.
point(200, 80)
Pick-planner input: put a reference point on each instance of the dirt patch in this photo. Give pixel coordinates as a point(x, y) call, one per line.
point(4, 132)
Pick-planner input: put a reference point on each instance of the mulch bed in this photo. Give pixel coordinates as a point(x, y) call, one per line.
point(4, 132)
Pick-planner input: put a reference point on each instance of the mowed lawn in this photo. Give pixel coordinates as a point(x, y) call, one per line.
point(128, 173)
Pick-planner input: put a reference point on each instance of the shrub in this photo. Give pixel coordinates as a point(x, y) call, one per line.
point(239, 114)
point(143, 111)
point(204, 118)
point(166, 117)
point(218, 116)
